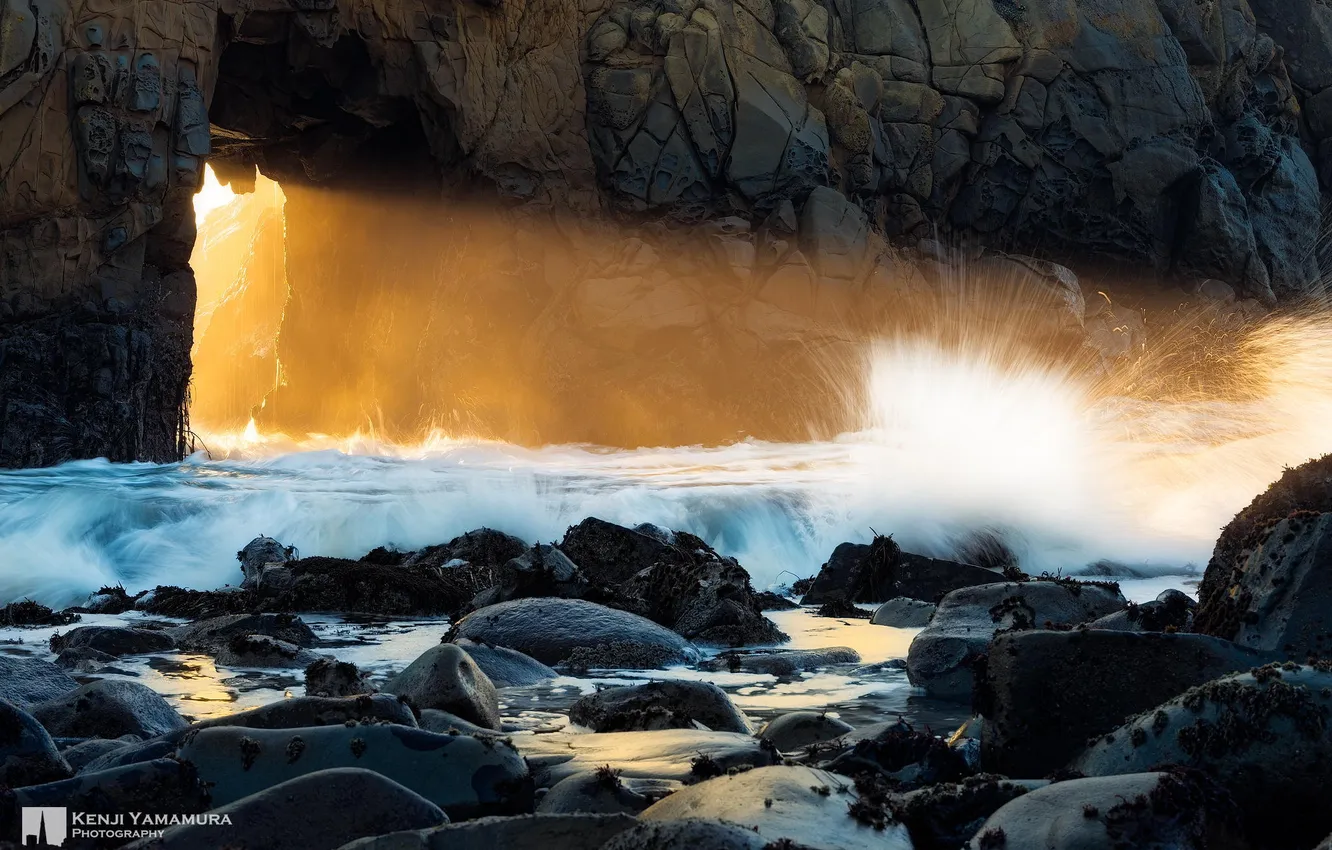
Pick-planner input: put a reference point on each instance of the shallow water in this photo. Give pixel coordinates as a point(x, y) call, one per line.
point(862, 693)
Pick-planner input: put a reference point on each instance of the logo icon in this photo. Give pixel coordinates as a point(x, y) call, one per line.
point(44, 826)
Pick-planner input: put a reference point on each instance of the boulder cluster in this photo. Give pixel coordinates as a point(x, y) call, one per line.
point(1098, 724)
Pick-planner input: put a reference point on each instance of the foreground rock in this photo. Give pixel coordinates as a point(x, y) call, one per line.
point(25, 681)
point(113, 640)
point(781, 662)
point(798, 729)
point(673, 578)
point(108, 708)
point(880, 571)
point(82, 754)
point(318, 711)
point(682, 755)
point(942, 656)
point(1264, 735)
point(556, 631)
point(660, 705)
point(259, 554)
point(1047, 693)
point(159, 787)
point(507, 668)
point(812, 808)
point(350, 803)
point(545, 831)
point(1276, 594)
point(446, 678)
point(28, 756)
point(262, 651)
point(906, 757)
point(1134, 810)
point(465, 776)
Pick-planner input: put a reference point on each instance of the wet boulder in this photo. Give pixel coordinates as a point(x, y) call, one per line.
point(108, 708)
point(259, 553)
point(507, 668)
point(541, 830)
point(942, 656)
point(903, 613)
point(553, 630)
point(542, 570)
point(350, 803)
point(660, 705)
point(484, 548)
point(213, 634)
point(602, 791)
point(1277, 594)
point(1264, 735)
point(262, 651)
point(82, 754)
point(434, 720)
point(686, 834)
point(318, 711)
point(672, 578)
point(159, 787)
point(781, 662)
point(113, 640)
point(25, 680)
point(1172, 611)
point(683, 755)
point(28, 756)
point(945, 816)
point(465, 776)
point(879, 571)
point(798, 729)
point(446, 678)
point(328, 677)
point(1048, 692)
point(812, 808)
point(1183, 812)
point(339, 585)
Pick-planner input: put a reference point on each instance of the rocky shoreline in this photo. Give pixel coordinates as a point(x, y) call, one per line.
point(1097, 722)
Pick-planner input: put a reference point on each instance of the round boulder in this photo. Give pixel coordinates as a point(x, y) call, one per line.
point(507, 668)
point(600, 791)
point(903, 613)
point(798, 729)
point(113, 640)
point(24, 681)
point(813, 808)
point(660, 705)
point(108, 708)
point(446, 678)
point(554, 630)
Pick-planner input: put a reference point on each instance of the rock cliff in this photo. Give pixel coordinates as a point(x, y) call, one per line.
point(759, 159)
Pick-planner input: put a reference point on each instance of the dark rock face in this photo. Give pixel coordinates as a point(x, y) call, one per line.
point(318, 711)
point(24, 681)
point(328, 677)
point(945, 816)
point(942, 656)
point(1263, 735)
point(804, 136)
point(881, 571)
point(1048, 692)
point(207, 635)
point(1305, 488)
point(660, 705)
point(29, 613)
point(1172, 611)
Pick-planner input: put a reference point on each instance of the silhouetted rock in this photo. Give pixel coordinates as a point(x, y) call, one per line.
point(880, 571)
point(659, 705)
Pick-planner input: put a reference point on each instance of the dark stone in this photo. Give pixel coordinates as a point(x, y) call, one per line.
point(108, 708)
point(544, 830)
point(28, 756)
point(1172, 611)
point(1047, 693)
point(29, 613)
point(113, 640)
point(507, 668)
point(659, 705)
point(24, 681)
point(328, 677)
point(209, 636)
point(446, 678)
point(781, 662)
point(904, 756)
point(880, 571)
point(945, 816)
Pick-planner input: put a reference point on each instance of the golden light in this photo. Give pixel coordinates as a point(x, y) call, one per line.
point(212, 196)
